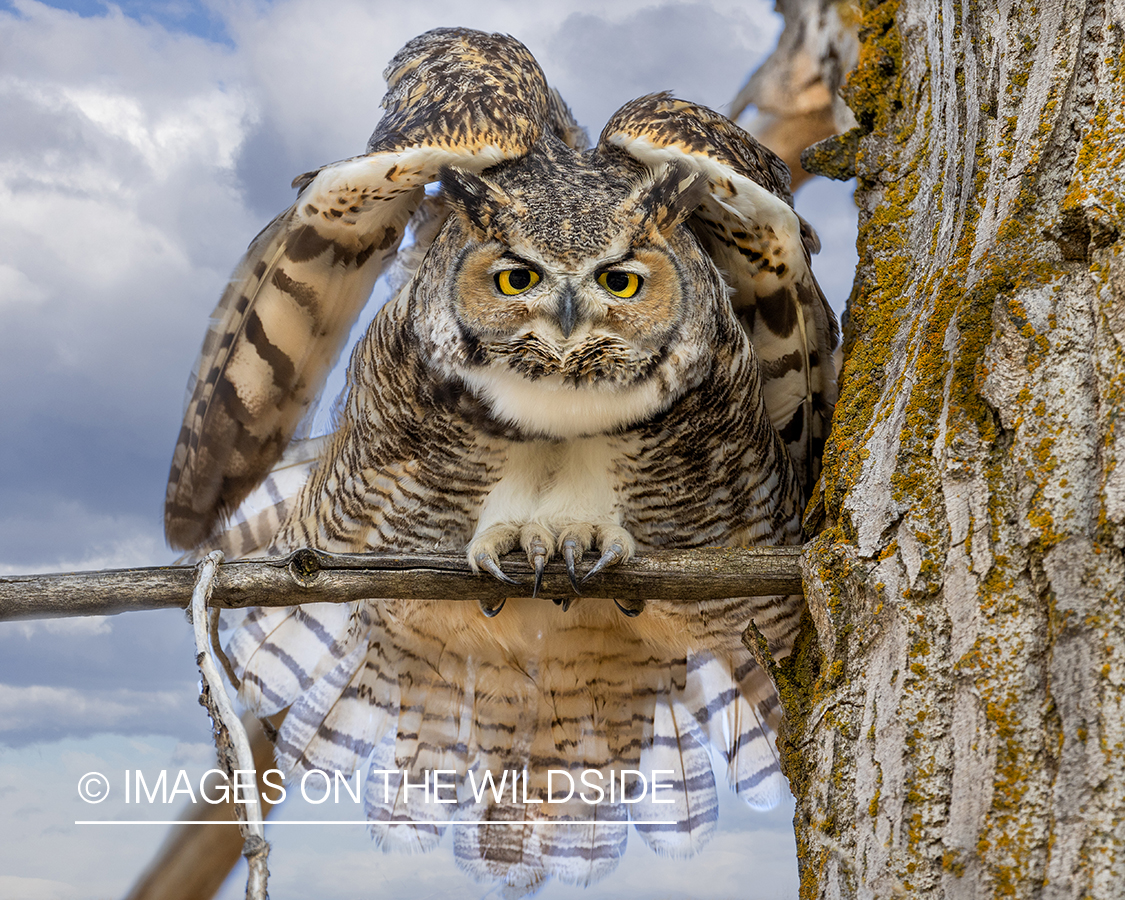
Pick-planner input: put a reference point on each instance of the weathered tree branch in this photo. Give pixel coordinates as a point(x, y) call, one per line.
point(796, 90)
point(195, 858)
point(310, 576)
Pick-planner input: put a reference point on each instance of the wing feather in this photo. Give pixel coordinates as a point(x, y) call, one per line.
point(455, 98)
point(749, 228)
point(250, 531)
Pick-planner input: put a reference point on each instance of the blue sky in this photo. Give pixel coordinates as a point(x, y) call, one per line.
point(143, 145)
point(200, 19)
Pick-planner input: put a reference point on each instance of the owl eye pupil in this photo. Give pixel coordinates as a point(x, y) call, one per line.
point(519, 279)
point(618, 282)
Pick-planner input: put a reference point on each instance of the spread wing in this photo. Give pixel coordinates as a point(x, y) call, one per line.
point(455, 97)
point(748, 226)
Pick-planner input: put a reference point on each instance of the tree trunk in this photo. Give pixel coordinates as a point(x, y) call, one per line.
point(956, 718)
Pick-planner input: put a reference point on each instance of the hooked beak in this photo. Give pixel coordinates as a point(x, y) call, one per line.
point(568, 311)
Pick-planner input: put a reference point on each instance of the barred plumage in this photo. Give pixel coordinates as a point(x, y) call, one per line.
point(566, 368)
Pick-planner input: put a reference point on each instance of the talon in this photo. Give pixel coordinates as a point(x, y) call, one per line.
point(631, 608)
point(487, 562)
point(564, 602)
point(613, 554)
point(540, 563)
point(537, 556)
point(491, 607)
point(538, 552)
point(569, 548)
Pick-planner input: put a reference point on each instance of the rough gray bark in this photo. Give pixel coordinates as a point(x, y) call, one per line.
point(957, 717)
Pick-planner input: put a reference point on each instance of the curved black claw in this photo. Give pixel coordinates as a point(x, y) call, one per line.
point(538, 556)
point(572, 555)
point(488, 563)
point(631, 608)
point(491, 606)
point(613, 554)
point(540, 562)
point(564, 602)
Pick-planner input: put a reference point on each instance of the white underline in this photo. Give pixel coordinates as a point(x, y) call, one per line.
point(363, 822)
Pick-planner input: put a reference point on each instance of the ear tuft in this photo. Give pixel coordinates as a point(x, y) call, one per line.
point(673, 195)
point(479, 201)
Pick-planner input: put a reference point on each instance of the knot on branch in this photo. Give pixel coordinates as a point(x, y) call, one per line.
point(304, 567)
point(255, 848)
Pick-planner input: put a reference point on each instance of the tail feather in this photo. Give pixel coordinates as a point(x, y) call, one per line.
point(418, 778)
point(573, 842)
point(435, 721)
point(681, 815)
point(386, 802)
point(543, 760)
point(511, 854)
point(723, 696)
point(306, 741)
point(280, 652)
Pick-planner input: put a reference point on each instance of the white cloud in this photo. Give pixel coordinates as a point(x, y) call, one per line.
point(194, 755)
point(42, 852)
point(17, 289)
point(115, 186)
point(205, 128)
point(69, 536)
point(87, 626)
point(116, 253)
point(27, 709)
point(37, 888)
point(319, 66)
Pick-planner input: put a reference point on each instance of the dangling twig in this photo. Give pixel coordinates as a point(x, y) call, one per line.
point(231, 741)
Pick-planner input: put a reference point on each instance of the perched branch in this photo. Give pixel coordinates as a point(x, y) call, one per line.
point(231, 742)
point(310, 576)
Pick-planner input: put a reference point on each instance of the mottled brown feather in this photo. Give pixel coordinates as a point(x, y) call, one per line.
point(763, 249)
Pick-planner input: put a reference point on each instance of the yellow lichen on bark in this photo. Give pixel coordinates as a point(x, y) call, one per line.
point(974, 455)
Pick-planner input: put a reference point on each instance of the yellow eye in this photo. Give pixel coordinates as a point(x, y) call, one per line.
point(621, 284)
point(516, 281)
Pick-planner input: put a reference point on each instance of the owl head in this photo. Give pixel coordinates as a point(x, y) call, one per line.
point(565, 293)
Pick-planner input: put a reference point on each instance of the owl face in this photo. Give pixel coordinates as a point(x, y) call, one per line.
point(572, 302)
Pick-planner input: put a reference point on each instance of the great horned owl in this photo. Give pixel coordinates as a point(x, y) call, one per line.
point(594, 352)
